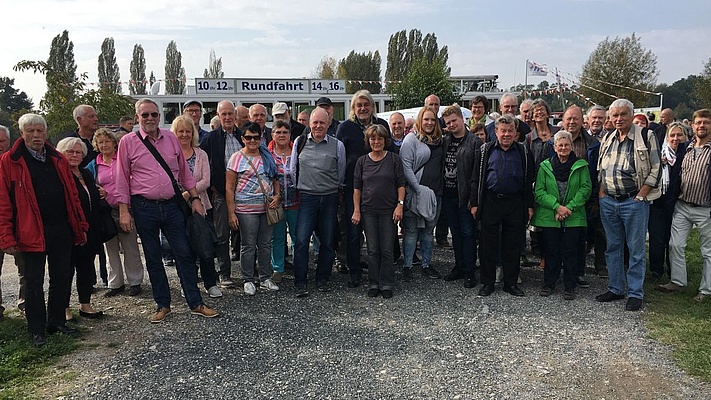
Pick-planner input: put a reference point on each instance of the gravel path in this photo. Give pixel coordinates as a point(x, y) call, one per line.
point(434, 339)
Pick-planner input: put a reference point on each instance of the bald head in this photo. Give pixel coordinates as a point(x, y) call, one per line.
point(432, 101)
point(573, 120)
point(667, 116)
point(226, 113)
point(258, 115)
point(318, 122)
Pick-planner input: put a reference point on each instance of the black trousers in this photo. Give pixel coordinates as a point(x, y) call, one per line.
point(57, 254)
point(83, 263)
point(508, 215)
point(562, 250)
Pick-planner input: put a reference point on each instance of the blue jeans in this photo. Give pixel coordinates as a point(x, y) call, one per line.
point(461, 224)
point(279, 238)
point(628, 220)
point(412, 233)
point(315, 211)
point(150, 218)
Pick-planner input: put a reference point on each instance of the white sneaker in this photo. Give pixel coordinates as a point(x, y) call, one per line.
point(249, 289)
point(214, 292)
point(268, 284)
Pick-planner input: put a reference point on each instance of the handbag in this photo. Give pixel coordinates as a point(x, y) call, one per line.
point(274, 215)
point(107, 226)
point(202, 236)
point(183, 205)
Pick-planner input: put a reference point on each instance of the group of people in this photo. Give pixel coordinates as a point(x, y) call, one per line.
point(336, 183)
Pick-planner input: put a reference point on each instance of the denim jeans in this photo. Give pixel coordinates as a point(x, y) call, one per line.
point(412, 233)
point(256, 246)
point(315, 211)
point(150, 218)
point(461, 225)
point(685, 216)
point(380, 231)
point(622, 220)
point(279, 238)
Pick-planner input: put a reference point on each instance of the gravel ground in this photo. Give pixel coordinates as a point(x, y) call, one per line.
point(434, 339)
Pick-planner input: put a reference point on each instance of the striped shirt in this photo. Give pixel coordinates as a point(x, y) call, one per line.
point(249, 194)
point(695, 179)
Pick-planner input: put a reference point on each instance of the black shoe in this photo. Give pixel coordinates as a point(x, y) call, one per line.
point(38, 340)
point(301, 291)
point(431, 273)
point(633, 304)
point(115, 292)
point(546, 291)
point(323, 287)
point(341, 267)
point(582, 283)
point(454, 275)
point(444, 244)
point(486, 290)
point(135, 290)
point(407, 274)
point(608, 296)
point(569, 294)
point(354, 283)
point(470, 281)
point(363, 265)
point(92, 315)
point(387, 293)
point(62, 329)
point(373, 292)
point(514, 290)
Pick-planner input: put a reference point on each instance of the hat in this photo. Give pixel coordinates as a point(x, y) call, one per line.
point(191, 101)
point(279, 108)
point(324, 101)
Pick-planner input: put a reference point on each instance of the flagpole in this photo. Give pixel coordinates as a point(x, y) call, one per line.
point(525, 85)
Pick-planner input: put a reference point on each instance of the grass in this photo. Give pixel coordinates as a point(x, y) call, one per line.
point(677, 320)
point(21, 363)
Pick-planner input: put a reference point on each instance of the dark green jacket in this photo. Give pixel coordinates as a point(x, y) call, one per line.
point(547, 197)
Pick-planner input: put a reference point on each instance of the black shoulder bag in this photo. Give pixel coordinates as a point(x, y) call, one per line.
point(178, 197)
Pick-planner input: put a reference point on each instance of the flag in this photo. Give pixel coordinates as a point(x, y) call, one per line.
point(535, 69)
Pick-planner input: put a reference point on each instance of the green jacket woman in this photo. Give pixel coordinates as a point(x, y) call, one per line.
point(547, 196)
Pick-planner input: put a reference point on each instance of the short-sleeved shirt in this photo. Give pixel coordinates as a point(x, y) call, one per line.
point(378, 182)
point(249, 194)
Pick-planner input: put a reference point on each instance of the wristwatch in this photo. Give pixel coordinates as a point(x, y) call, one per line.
point(193, 198)
point(639, 198)
point(401, 202)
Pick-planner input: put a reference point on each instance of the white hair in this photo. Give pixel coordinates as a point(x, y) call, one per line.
point(623, 103)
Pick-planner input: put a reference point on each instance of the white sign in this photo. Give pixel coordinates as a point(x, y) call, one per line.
point(214, 86)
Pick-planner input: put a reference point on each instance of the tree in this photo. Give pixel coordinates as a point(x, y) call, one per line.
point(361, 71)
point(152, 79)
point(422, 79)
point(137, 85)
point(327, 68)
point(616, 65)
point(11, 99)
point(109, 106)
point(214, 69)
point(174, 71)
point(405, 48)
point(109, 76)
point(63, 85)
point(702, 87)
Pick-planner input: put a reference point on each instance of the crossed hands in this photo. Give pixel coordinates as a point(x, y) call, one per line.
point(562, 213)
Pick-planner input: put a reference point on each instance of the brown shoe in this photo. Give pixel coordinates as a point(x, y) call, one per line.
point(204, 311)
point(700, 297)
point(670, 287)
point(160, 314)
point(277, 277)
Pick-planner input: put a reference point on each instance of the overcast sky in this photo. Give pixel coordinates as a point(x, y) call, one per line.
point(287, 39)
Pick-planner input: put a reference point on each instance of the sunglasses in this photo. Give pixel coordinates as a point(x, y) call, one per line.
point(247, 138)
point(153, 114)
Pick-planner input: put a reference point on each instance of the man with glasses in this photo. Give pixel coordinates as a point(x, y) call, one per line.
point(219, 145)
point(508, 105)
point(193, 110)
point(144, 185)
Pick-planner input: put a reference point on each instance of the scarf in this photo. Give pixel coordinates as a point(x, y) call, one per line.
point(561, 170)
point(668, 161)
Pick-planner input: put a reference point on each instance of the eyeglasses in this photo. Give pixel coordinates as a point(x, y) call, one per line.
point(146, 115)
point(193, 111)
point(248, 138)
point(478, 107)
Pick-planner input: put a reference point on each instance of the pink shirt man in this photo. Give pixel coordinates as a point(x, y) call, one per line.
point(138, 172)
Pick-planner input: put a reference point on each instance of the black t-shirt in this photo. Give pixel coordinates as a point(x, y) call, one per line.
point(378, 182)
point(450, 168)
point(432, 176)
